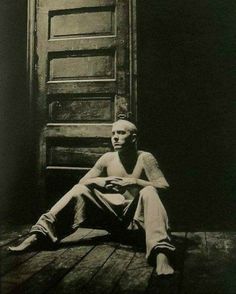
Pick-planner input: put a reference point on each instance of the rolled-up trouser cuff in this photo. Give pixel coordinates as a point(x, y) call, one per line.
point(168, 250)
point(46, 226)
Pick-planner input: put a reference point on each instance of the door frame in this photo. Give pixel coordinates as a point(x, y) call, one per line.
point(30, 54)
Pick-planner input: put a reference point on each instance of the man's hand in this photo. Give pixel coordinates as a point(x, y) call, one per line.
point(123, 182)
point(103, 182)
point(116, 184)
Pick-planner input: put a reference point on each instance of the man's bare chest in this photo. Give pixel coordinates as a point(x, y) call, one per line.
point(116, 168)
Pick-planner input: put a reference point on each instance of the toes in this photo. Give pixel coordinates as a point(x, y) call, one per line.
point(11, 248)
point(21, 247)
point(14, 249)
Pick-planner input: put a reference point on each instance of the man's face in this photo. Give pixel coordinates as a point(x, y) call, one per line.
point(121, 138)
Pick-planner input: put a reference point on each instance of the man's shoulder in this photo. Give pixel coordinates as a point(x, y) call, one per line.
point(145, 154)
point(104, 160)
point(147, 157)
point(108, 156)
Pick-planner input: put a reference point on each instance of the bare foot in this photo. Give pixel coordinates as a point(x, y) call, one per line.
point(163, 267)
point(25, 245)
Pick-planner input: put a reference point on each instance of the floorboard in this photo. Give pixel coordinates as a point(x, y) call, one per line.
point(88, 261)
point(136, 277)
point(28, 269)
point(195, 265)
point(8, 260)
point(210, 264)
point(5, 287)
point(15, 278)
point(61, 264)
point(51, 274)
point(12, 261)
point(108, 276)
point(221, 262)
point(83, 272)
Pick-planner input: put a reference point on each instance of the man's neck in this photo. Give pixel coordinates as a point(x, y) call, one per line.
point(129, 152)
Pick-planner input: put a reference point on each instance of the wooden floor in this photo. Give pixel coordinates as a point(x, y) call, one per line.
point(90, 262)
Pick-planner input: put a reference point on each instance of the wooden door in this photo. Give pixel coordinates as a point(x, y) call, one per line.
point(85, 70)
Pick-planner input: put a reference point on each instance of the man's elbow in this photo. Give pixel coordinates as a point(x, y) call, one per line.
point(161, 185)
point(166, 186)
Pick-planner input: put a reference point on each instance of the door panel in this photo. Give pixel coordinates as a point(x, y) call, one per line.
point(84, 61)
point(82, 66)
point(82, 23)
point(84, 109)
point(69, 156)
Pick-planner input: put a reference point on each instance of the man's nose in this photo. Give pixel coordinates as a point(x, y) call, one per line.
point(116, 137)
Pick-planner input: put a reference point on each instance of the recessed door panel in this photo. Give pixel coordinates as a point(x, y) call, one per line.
point(87, 22)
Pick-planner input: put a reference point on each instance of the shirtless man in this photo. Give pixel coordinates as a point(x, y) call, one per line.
point(126, 198)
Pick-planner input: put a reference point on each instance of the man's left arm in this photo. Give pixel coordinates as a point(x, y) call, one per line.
point(153, 172)
point(154, 175)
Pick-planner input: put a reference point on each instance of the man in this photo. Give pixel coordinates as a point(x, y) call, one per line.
point(126, 198)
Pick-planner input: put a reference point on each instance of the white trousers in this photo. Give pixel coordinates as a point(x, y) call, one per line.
point(89, 207)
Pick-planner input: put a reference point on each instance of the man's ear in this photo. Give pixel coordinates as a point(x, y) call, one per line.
point(134, 138)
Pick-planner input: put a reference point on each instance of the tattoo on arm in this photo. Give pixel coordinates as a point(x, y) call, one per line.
point(153, 171)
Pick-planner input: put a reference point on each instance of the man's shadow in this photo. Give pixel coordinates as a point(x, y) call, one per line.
point(129, 240)
point(135, 240)
point(125, 239)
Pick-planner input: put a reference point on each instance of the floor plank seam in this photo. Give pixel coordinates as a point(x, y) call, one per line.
point(53, 260)
point(36, 273)
point(118, 281)
point(99, 268)
point(24, 283)
point(27, 259)
point(17, 265)
point(68, 270)
point(116, 266)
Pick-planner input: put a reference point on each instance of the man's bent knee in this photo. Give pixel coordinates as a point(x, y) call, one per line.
point(148, 192)
point(148, 189)
point(79, 189)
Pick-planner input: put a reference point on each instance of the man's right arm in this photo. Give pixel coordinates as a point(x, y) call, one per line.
point(93, 176)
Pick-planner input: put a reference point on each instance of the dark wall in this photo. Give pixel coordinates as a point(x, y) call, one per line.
point(15, 149)
point(187, 88)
